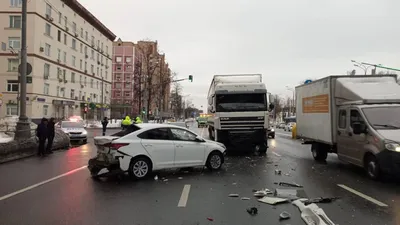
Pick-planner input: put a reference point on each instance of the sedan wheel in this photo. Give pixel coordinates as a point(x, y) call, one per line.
point(214, 161)
point(139, 168)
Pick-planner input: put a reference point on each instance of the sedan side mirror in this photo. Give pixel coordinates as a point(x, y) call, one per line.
point(200, 139)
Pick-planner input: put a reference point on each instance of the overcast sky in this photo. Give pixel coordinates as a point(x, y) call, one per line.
point(287, 41)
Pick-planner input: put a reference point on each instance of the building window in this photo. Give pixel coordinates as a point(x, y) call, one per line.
point(80, 79)
point(64, 75)
point(128, 59)
point(102, 45)
point(59, 35)
point(45, 110)
point(127, 85)
point(72, 94)
point(65, 39)
point(119, 68)
point(74, 44)
point(47, 49)
point(16, 3)
point(74, 28)
point(59, 17)
point(97, 84)
point(48, 9)
point(81, 48)
point(73, 61)
point(47, 29)
point(81, 32)
point(14, 42)
point(107, 49)
point(12, 110)
point(127, 94)
point(86, 35)
point(98, 57)
point(46, 89)
point(118, 59)
point(92, 54)
point(72, 77)
point(65, 57)
point(58, 91)
point(46, 72)
point(86, 51)
point(80, 64)
point(85, 81)
point(12, 86)
point(13, 65)
point(85, 67)
point(65, 21)
point(106, 75)
point(91, 83)
point(92, 69)
point(59, 54)
point(97, 71)
point(15, 21)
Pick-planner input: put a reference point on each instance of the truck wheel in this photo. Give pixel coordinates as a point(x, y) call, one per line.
point(319, 153)
point(262, 148)
point(372, 167)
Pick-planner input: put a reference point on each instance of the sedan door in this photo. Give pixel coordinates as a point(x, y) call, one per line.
point(159, 146)
point(188, 151)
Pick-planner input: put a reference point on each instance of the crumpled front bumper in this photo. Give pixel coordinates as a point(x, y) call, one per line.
point(103, 161)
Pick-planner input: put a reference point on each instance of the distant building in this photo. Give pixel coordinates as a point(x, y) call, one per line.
point(70, 52)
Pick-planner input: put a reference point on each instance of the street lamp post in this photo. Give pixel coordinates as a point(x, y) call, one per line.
point(291, 109)
point(365, 66)
point(22, 130)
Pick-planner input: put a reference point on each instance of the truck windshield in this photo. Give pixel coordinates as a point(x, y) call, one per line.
point(383, 117)
point(241, 102)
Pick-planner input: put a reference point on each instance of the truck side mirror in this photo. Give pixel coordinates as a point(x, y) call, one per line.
point(359, 128)
point(271, 106)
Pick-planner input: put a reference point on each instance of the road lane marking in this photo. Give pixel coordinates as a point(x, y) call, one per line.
point(185, 196)
point(287, 135)
point(276, 154)
point(41, 183)
point(366, 197)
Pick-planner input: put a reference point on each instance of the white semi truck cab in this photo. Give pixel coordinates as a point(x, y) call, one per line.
point(239, 107)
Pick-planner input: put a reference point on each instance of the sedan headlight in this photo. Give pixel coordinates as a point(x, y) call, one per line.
point(84, 132)
point(272, 130)
point(393, 147)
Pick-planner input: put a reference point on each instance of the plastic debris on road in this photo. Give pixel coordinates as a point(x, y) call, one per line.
point(262, 193)
point(284, 216)
point(156, 177)
point(210, 219)
point(272, 200)
point(319, 200)
point(234, 195)
point(286, 184)
point(245, 198)
point(252, 211)
point(278, 172)
point(312, 214)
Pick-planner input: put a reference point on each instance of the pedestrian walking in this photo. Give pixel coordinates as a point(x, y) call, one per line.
point(42, 134)
point(104, 123)
point(51, 135)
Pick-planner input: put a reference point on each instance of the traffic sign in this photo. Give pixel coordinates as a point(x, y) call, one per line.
point(28, 69)
point(307, 81)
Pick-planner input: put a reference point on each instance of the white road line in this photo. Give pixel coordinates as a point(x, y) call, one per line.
point(185, 196)
point(41, 183)
point(276, 154)
point(366, 197)
point(287, 135)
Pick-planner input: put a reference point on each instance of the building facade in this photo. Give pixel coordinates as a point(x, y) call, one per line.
point(70, 54)
point(122, 93)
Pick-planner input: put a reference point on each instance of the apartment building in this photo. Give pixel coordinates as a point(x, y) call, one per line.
point(70, 53)
point(122, 92)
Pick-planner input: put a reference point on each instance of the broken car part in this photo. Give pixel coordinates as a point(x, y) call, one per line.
point(312, 214)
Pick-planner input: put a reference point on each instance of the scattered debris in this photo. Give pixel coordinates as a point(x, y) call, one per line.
point(289, 184)
point(319, 200)
point(245, 198)
point(272, 200)
point(248, 157)
point(284, 216)
point(286, 174)
point(165, 180)
point(286, 193)
point(156, 177)
point(180, 178)
point(252, 211)
point(278, 172)
point(262, 193)
point(234, 183)
point(234, 195)
point(210, 219)
point(312, 214)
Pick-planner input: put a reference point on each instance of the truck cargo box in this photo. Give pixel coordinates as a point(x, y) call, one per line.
point(316, 102)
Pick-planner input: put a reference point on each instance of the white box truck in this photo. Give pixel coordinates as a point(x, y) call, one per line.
point(356, 117)
point(238, 104)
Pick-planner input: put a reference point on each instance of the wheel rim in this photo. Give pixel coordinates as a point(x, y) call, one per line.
point(215, 161)
point(140, 168)
point(372, 168)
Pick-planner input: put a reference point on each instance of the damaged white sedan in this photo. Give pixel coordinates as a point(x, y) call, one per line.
point(143, 148)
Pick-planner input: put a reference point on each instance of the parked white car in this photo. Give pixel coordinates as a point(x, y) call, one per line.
point(143, 148)
point(75, 130)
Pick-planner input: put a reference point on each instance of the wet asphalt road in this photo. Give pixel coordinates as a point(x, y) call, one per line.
point(75, 198)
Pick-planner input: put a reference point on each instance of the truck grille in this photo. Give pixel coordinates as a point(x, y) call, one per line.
point(239, 123)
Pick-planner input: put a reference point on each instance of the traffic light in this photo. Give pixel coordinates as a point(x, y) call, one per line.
point(144, 110)
point(191, 78)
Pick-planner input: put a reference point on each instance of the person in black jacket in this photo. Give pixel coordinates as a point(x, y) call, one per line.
point(42, 134)
point(51, 135)
point(104, 123)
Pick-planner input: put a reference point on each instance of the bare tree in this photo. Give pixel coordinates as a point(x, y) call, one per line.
point(176, 99)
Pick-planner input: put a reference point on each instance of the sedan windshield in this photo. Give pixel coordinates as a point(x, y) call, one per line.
point(67, 124)
point(383, 117)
